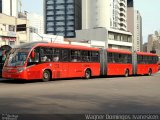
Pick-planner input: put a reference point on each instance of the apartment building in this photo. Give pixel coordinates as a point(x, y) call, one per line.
point(36, 22)
point(9, 7)
point(62, 17)
point(104, 13)
point(134, 21)
point(154, 43)
point(13, 30)
point(104, 24)
point(106, 38)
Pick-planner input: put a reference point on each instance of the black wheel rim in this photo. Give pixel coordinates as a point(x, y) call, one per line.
point(46, 76)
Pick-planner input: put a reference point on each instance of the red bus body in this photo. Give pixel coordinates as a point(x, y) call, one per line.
point(71, 61)
point(57, 69)
point(115, 68)
point(144, 68)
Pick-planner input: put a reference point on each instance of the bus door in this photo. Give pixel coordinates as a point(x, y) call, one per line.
point(33, 65)
point(56, 67)
point(75, 66)
point(60, 59)
point(64, 64)
point(112, 63)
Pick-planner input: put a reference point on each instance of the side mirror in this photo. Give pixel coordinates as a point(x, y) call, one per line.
point(32, 54)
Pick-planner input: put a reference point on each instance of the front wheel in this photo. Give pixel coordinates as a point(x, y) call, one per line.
point(46, 76)
point(87, 74)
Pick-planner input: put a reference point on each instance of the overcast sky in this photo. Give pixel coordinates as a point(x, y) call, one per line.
point(149, 10)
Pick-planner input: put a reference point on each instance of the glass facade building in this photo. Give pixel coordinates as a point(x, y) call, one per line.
point(62, 17)
point(0, 6)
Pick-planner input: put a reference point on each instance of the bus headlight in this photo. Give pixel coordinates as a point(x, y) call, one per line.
point(20, 69)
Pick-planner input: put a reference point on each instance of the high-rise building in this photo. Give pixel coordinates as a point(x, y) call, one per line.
point(104, 13)
point(134, 25)
point(9, 7)
point(123, 14)
point(62, 17)
point(0, 6)
point(138, 31)
point(154, 43)
point(36, 21)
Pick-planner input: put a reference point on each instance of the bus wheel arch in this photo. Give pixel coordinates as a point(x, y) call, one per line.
point(47, 75)
point(88, 73)
point(126, 74)
point(149, 72)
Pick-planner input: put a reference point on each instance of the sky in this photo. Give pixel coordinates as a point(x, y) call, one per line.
point(149, 10)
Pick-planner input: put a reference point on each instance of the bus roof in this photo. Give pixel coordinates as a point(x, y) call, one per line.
point(55, 45)
point(146, 53)
point(118, 51)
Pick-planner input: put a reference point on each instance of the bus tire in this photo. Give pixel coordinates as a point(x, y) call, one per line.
point(87, 74)
point(150, 72)
point(46, 76)
point(126, 73)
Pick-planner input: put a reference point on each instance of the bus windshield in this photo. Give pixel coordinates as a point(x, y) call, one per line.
point(17, 57)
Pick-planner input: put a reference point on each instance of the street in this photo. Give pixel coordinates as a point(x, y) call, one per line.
point(139, 94)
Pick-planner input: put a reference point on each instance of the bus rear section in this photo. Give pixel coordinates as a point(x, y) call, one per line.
point(116, 62)
point(147, 63)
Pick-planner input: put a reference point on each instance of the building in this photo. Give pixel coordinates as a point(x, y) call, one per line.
point(62, 17)
point(154, 43)
point(106, 38)
point(13, 31)
point(134, 25)
point(104, 24)
point(9, 7)
point(145, 47)
point(36, 21)
point(130, 3)
point(104, 13)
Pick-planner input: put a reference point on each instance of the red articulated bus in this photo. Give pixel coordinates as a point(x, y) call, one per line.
point(46, 61)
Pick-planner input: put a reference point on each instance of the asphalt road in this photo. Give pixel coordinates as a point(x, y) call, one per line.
point(140, 94)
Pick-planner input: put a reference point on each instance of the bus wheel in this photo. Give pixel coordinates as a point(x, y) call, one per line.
point(126, 73)
point(46, 76)
point(149, 72)
point(87, 74)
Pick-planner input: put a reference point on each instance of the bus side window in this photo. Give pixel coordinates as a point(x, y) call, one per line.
point(116, 58)
point(95, 56)
point(110, 57)
point(46, 54)
point(139, 59)
point(85, 56)
point(34, 59)
point(65, 55)
point(56, 55)
point(75, 56)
